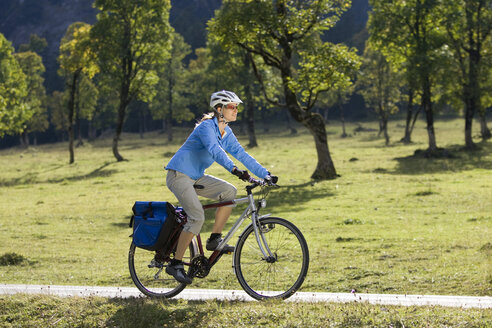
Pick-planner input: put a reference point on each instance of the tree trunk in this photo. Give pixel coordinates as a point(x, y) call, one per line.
point(120, 120)
point(407, 138)
point(471, 93)
point(77, 119)
point(292, 129)
point(427, 105)
point(71, 110)
point(24, 140)
point(141, 120)
point(91, 131)
point(325, 168)
point(385, 130)
point(266, 126)
point(325, 114)
point(342, 118)
point(485, 132)
point(250, 106)
point(169, 126)
point(469, 113)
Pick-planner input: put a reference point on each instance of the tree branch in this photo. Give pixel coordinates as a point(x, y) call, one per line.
point(262, 84)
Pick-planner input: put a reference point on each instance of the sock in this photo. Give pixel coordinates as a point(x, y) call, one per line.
point(175, 262)
point(215, 236)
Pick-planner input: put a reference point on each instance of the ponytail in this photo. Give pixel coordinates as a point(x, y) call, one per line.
point(210, 115)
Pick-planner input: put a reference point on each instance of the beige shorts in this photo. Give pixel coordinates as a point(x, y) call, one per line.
point(183, 188)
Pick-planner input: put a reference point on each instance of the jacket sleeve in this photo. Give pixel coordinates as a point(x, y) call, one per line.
point(209, 140)
point(235, 149)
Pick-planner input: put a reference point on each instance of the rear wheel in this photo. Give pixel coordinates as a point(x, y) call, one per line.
point(149, 275)
point(276, 277)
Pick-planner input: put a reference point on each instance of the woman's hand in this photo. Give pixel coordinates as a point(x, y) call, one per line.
point(271, 179)
point(241, 174)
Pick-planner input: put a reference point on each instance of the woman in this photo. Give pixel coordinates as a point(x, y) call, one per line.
point(186, 177)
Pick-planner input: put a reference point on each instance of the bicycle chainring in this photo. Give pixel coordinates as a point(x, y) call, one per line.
point(200, 267)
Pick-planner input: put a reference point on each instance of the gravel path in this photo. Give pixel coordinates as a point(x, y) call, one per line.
point(207, 294)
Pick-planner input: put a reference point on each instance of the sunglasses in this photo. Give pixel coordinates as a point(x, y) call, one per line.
point(230, 106)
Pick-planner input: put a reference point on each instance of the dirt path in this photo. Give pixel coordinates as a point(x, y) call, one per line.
point(206, 294)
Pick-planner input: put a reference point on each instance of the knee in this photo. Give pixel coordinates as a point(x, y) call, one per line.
point(194, 225)
point(229, 193)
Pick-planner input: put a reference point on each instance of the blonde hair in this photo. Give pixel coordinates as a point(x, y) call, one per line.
point(210, 115)
point(206, 116)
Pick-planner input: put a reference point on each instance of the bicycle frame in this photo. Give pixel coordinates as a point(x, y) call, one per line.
point(250, 210)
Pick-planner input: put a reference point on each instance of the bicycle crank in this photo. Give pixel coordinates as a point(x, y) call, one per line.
point(200, 267)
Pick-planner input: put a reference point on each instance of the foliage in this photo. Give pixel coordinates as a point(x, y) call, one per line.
point(76, 55)
point(77, 59)
point(86, 97)
point(468, 24)
point(286, 35)
point(32, 66)
point(36, 44)
point(407, 32)
point(131, 38)
point(14, 111)
point(173, 92)
point(264, 29)
point(379, 83)
point(57, 104)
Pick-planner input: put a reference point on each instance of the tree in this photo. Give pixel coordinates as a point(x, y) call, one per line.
point(57, 104)
point(468, 24)
point(379, 84)
point(14, 111)
point(86, 98)
point(286, 35)
point(170, 101)
point(131, 38)
point(234, 69)
point(36, 44)
point(76, 59)
point(407, 31)
point(32, 66)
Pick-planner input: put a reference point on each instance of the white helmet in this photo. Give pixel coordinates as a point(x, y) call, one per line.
point(223, 98)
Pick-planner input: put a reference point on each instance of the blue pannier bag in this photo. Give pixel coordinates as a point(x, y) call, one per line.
point(156, 225)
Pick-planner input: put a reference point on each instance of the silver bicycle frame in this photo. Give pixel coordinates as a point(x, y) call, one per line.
point(260, 238)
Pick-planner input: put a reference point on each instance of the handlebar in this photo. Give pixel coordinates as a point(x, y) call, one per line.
point(258, 182)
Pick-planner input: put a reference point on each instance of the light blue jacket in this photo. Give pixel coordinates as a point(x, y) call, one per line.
point(205, 145)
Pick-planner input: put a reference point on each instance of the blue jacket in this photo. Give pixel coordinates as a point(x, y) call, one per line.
point(205, 145)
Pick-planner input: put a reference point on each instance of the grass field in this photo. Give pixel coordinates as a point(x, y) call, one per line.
point(392, 223)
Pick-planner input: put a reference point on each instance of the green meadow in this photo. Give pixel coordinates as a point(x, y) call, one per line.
point(391, 223)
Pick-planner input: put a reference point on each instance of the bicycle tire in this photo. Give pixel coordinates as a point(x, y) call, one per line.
point(281, 279)
point(143, 276)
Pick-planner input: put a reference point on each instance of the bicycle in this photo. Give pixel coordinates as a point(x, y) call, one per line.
point(270, 260)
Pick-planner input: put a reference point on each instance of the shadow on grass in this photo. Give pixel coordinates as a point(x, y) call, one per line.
point(452, 159)
point(144, 312)
point(291, 198)
point(32, 178)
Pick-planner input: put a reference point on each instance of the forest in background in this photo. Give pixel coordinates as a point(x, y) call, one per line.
point(20, 19)
point(151, 65)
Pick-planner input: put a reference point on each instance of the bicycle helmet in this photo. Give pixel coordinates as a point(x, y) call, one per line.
point(223, 98)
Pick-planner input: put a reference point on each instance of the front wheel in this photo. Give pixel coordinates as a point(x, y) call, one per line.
point(150, 275)
point(277, 277)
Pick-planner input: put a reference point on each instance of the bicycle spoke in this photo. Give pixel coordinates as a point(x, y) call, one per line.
point(279, 278)
point(150, 276)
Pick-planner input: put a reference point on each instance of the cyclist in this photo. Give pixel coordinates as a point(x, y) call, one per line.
point(186, 177)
